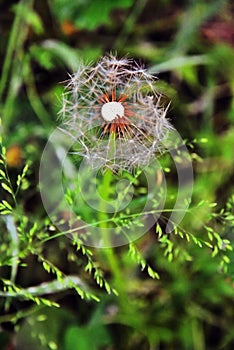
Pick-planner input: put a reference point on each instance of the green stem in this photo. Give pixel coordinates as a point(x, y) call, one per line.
point(14, 38)
point(105, 190)
point(129, 23)
point(32, 93)
point(109, 252)
point(12, 66)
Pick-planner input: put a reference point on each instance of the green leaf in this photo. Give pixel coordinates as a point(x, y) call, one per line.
point(2, 174)
point(180, 62)
point(5, 212)
point(153, 274)
point(35, 21)
point(108, 288)
point(226, 259)
point(6, 188)
point(159, 230)
point(7, 205)
point(89, 14)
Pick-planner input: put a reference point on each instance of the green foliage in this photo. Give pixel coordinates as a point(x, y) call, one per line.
point(88, 14)
point(170, 290)
point(197, 13)
point(86, 338)
point(25, 240)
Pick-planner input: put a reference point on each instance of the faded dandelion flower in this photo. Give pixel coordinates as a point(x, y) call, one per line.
point(114, 114)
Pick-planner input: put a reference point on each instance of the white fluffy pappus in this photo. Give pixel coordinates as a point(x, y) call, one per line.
point(114, 114)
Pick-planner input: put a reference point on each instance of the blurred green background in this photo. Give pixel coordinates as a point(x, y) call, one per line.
point(189, 45)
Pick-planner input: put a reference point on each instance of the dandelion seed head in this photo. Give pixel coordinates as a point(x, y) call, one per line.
point(115, 114)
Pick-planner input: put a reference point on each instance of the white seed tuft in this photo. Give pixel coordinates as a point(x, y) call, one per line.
point(95, 100)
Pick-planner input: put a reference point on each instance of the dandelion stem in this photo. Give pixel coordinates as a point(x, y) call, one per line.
point(109, 252)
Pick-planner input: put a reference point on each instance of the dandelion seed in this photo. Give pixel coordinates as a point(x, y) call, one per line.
point(114, 113)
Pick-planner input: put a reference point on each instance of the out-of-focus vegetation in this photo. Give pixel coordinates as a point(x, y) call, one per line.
point(60, 294)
